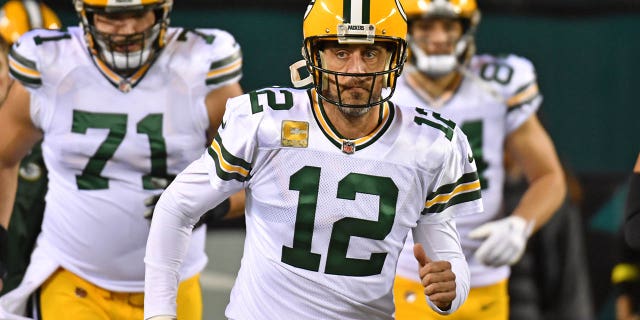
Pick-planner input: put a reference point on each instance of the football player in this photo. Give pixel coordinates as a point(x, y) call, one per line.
point(17, 18)
point(493, 99)
point(336, 176)
point(122, 102)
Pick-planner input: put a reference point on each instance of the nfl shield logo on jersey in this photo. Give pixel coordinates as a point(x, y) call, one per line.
point(348, 146)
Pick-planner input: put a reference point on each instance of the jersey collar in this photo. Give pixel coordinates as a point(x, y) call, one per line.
point(123, 84)
point(387, 113)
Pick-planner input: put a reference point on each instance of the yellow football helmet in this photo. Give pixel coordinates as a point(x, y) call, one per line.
point(18, 17)
point(466, 11)
point(101, 44)
point(352, 22)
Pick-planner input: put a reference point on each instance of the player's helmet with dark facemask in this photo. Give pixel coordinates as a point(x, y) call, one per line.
point(352, 22)
point(466, 11)
point(112, 49)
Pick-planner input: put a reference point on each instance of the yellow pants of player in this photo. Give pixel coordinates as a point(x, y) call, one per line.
point(486, 303)
point(65, 296)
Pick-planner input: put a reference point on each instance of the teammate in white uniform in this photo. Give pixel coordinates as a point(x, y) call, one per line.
point(336, 176)
point(121, 102)
point(493, 100)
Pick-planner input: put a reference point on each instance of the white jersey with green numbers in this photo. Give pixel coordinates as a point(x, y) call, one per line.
point(496, 95)
point(102, 145)
point(327, 217)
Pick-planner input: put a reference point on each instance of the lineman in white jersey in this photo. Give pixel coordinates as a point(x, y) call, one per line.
point(336, 176)
point(135, 108)
point(493, 100)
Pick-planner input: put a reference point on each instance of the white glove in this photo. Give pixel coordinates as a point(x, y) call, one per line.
point(505, 241)
point(162, 318)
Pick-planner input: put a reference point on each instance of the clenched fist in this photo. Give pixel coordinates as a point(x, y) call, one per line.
point(438, 279)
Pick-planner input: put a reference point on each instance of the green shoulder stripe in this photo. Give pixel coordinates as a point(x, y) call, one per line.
point(519, 105)
point(228, 166)
point(27, 81)
point(228, 60)
point(448, 188)
point(460, 198)
point(22, 60)
point(223, 78)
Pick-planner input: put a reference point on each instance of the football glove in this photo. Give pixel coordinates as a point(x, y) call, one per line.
point(505, 240)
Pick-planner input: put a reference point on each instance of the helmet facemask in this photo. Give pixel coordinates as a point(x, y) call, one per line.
point(333, 24)
point(439, 65)
point(330, 85)
point(125, 54)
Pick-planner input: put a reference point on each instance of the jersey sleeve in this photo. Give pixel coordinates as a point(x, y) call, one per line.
point(225, 61)
point(456, 187)
point(232, 150)
point(26, 57)
point(24, 61)
point(36, 51)
point(522, 95)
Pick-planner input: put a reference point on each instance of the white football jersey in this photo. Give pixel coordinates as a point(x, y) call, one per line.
point(495, 96)
point(327, 217)
point(102, 145)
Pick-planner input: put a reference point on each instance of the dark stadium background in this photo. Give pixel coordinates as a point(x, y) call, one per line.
point(586, 55)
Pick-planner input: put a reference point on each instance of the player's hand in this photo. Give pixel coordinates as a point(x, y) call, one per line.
point(438, 280)
point(505, 240)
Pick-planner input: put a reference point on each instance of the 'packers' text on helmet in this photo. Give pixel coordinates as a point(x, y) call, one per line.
point(466, 11)
point(18, 17)
point(352, 22)
point(103, 45)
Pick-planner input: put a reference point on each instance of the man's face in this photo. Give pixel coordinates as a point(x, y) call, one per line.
point(355, 59)
point(121, 25)
point(436, 36)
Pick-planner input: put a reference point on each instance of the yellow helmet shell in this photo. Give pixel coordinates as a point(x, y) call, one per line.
point(18, 17)
point(334, 17)
point(460, 9)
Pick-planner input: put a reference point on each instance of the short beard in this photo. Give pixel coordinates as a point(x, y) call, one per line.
point(353, 113)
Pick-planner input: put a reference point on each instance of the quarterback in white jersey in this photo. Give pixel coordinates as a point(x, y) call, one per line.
point(109, 130)
point(336, 176)
point(494, 101)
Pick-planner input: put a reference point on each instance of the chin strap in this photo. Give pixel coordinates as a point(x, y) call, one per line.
point(296, 80)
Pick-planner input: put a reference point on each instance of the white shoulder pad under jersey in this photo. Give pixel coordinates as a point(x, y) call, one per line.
point(514, 80)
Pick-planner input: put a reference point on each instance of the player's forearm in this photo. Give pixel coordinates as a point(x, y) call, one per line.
point(543, 197)
point(8, 186)
point(181, 205)
point(166, 248)
point(442, 242)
